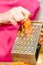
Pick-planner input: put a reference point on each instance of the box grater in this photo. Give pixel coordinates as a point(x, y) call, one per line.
point(25, 46)
point(41, 40)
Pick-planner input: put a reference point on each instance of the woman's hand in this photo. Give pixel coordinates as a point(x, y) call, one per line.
point(14, 15)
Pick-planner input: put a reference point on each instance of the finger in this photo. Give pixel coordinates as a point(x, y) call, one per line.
point(25, 12)
point(13, 21)
point(18, 16)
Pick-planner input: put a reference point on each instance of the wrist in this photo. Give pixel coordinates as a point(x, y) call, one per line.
point(3, 18)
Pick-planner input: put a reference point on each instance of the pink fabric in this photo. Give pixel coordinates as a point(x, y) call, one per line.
point(8, 33)
point(7, 38)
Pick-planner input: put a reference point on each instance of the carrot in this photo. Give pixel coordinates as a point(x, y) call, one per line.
point(18, 63)
point(27, 23)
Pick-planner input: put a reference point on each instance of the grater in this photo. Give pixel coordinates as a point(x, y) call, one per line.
point(25, 46)
point(41, 40)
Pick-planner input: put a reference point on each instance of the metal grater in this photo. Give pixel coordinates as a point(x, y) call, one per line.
point(25, 46)
point(41, 40)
